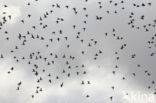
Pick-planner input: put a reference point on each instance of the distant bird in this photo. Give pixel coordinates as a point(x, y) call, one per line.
point(111, 98)
point(87, 96)
point(61, 84)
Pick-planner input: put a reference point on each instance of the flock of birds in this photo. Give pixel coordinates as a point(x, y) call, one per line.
point(71, 68)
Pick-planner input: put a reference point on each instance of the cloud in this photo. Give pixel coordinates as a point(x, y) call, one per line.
point(99, 72)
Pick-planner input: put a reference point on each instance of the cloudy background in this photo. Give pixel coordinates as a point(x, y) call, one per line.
point(99, 72)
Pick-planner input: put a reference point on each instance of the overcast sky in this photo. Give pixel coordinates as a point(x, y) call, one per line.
point(99, 72)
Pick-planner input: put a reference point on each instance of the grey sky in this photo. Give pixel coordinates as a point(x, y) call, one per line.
point(99, 72)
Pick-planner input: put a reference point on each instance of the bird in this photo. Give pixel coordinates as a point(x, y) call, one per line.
point(61, 84)
point(87, 96)
point(111, 98)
